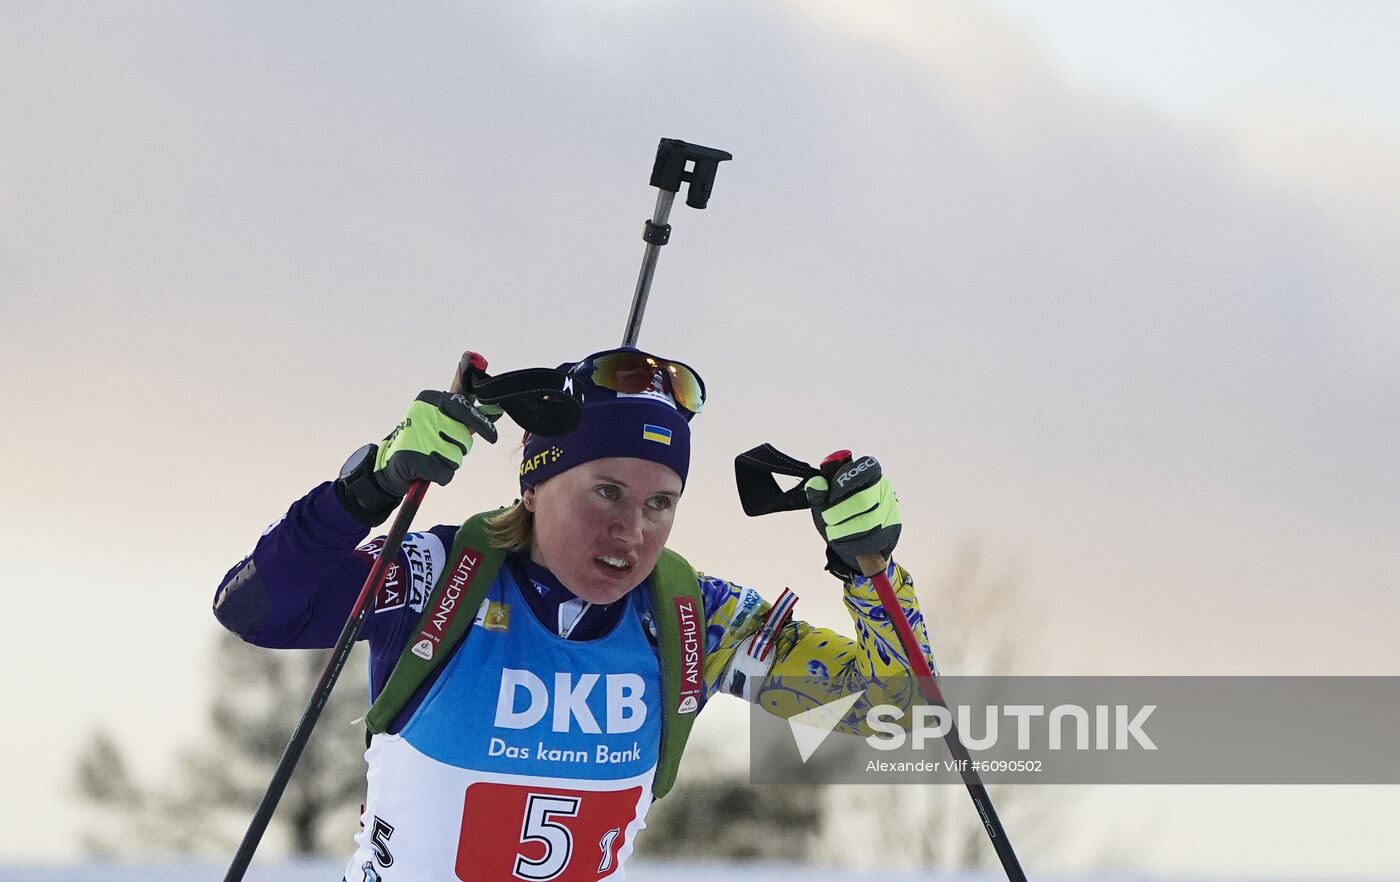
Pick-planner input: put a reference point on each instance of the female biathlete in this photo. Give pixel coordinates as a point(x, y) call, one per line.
point(529, 702)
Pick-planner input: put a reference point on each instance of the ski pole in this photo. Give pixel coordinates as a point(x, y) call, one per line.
point(676, 161)
point(876, 568)
point(302, 733)
point(759, 494)
point(532, 399)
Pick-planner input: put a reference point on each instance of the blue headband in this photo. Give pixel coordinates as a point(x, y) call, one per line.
point(645, 426)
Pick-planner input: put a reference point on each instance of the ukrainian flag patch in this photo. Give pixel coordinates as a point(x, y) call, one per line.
point(659, 434)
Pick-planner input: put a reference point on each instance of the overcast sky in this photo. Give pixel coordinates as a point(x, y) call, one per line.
point(1109, 287)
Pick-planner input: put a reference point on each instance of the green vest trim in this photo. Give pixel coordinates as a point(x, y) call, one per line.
point(678, 607)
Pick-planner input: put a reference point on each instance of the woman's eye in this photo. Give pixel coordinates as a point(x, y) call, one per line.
point(660, 503)
point(608, 491)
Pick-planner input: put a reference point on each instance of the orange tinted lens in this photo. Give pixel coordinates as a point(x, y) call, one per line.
point(633, 372)
point(624, 371)
point(686, 387)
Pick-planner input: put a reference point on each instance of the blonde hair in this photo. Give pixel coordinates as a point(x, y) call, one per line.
point(512, 529)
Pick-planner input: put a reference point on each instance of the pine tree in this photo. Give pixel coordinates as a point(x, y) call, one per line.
point(724, 817)
point(205, 801)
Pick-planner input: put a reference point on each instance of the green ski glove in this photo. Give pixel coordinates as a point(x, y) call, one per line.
point(427, 445)
point(857, 514)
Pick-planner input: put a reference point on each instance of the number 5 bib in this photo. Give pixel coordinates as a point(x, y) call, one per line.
point(531, 758)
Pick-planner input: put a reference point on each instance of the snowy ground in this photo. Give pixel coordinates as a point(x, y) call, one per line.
point(330, 872)
point(325, 871)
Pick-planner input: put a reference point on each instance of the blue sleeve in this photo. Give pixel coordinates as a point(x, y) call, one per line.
point(297, 586)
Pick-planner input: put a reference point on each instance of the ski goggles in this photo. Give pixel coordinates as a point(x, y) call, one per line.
point(633, 372)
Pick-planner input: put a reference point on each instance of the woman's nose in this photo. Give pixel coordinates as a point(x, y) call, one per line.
point(628, 525)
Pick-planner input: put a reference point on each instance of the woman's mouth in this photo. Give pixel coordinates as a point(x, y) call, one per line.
point(613, 564)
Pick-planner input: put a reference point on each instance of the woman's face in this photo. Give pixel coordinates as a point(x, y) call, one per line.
point(600, 527)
